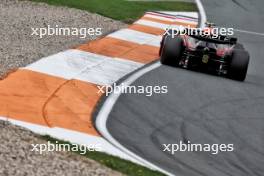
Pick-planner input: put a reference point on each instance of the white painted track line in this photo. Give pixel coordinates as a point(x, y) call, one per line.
point(106, 108)
point(249, 32)
point(202, 13)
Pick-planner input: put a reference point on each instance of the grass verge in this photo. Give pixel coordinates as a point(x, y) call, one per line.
point(123, 10)
point(115, 163)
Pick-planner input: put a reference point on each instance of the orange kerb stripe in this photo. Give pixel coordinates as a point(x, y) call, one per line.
point(112, 47)
point(50, 101)
point(144, 54)
point(147, 29)
point(108, 46)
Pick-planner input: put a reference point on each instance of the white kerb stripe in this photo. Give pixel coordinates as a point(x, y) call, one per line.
point(176, 19)
point(137, 37)
point(152, 24)
point(109, 71)
point(84, 66)
point(160, 25)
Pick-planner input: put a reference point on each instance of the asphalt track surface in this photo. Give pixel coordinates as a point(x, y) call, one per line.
point(202, 108)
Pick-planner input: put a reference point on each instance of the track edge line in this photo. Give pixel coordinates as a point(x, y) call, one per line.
point(108, 104)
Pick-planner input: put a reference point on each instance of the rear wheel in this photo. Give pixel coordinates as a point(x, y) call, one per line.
point(171, 51)
point(239, 65)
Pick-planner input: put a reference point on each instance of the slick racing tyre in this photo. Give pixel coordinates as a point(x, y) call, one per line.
point(171, 50)
point(239, 65)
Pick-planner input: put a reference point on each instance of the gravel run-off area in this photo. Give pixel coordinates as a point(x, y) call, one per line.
point(18, 159)
point(19, 48)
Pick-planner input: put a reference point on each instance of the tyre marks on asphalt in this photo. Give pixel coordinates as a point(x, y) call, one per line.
point(57, 94)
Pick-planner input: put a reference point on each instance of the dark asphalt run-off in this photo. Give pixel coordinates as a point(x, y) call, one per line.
point(202, 108)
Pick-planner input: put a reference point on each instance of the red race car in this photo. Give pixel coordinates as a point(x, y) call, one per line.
point(221, 55)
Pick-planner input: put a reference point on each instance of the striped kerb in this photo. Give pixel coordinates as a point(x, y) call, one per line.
point(61, 90)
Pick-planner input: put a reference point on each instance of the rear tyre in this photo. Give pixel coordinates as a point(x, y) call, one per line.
point(171, 51)
point(239, 65)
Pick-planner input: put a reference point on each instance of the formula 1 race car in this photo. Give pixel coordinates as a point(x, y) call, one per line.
point(221, 55)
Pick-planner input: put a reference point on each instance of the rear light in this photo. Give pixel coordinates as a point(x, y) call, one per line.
point(221, 52)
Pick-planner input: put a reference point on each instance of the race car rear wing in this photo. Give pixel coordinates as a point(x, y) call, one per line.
point(221, 39)
point(201, 35)
point(217, 39)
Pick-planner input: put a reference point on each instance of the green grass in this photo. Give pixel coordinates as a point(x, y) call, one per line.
point(123, 10)
point(115, 163)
